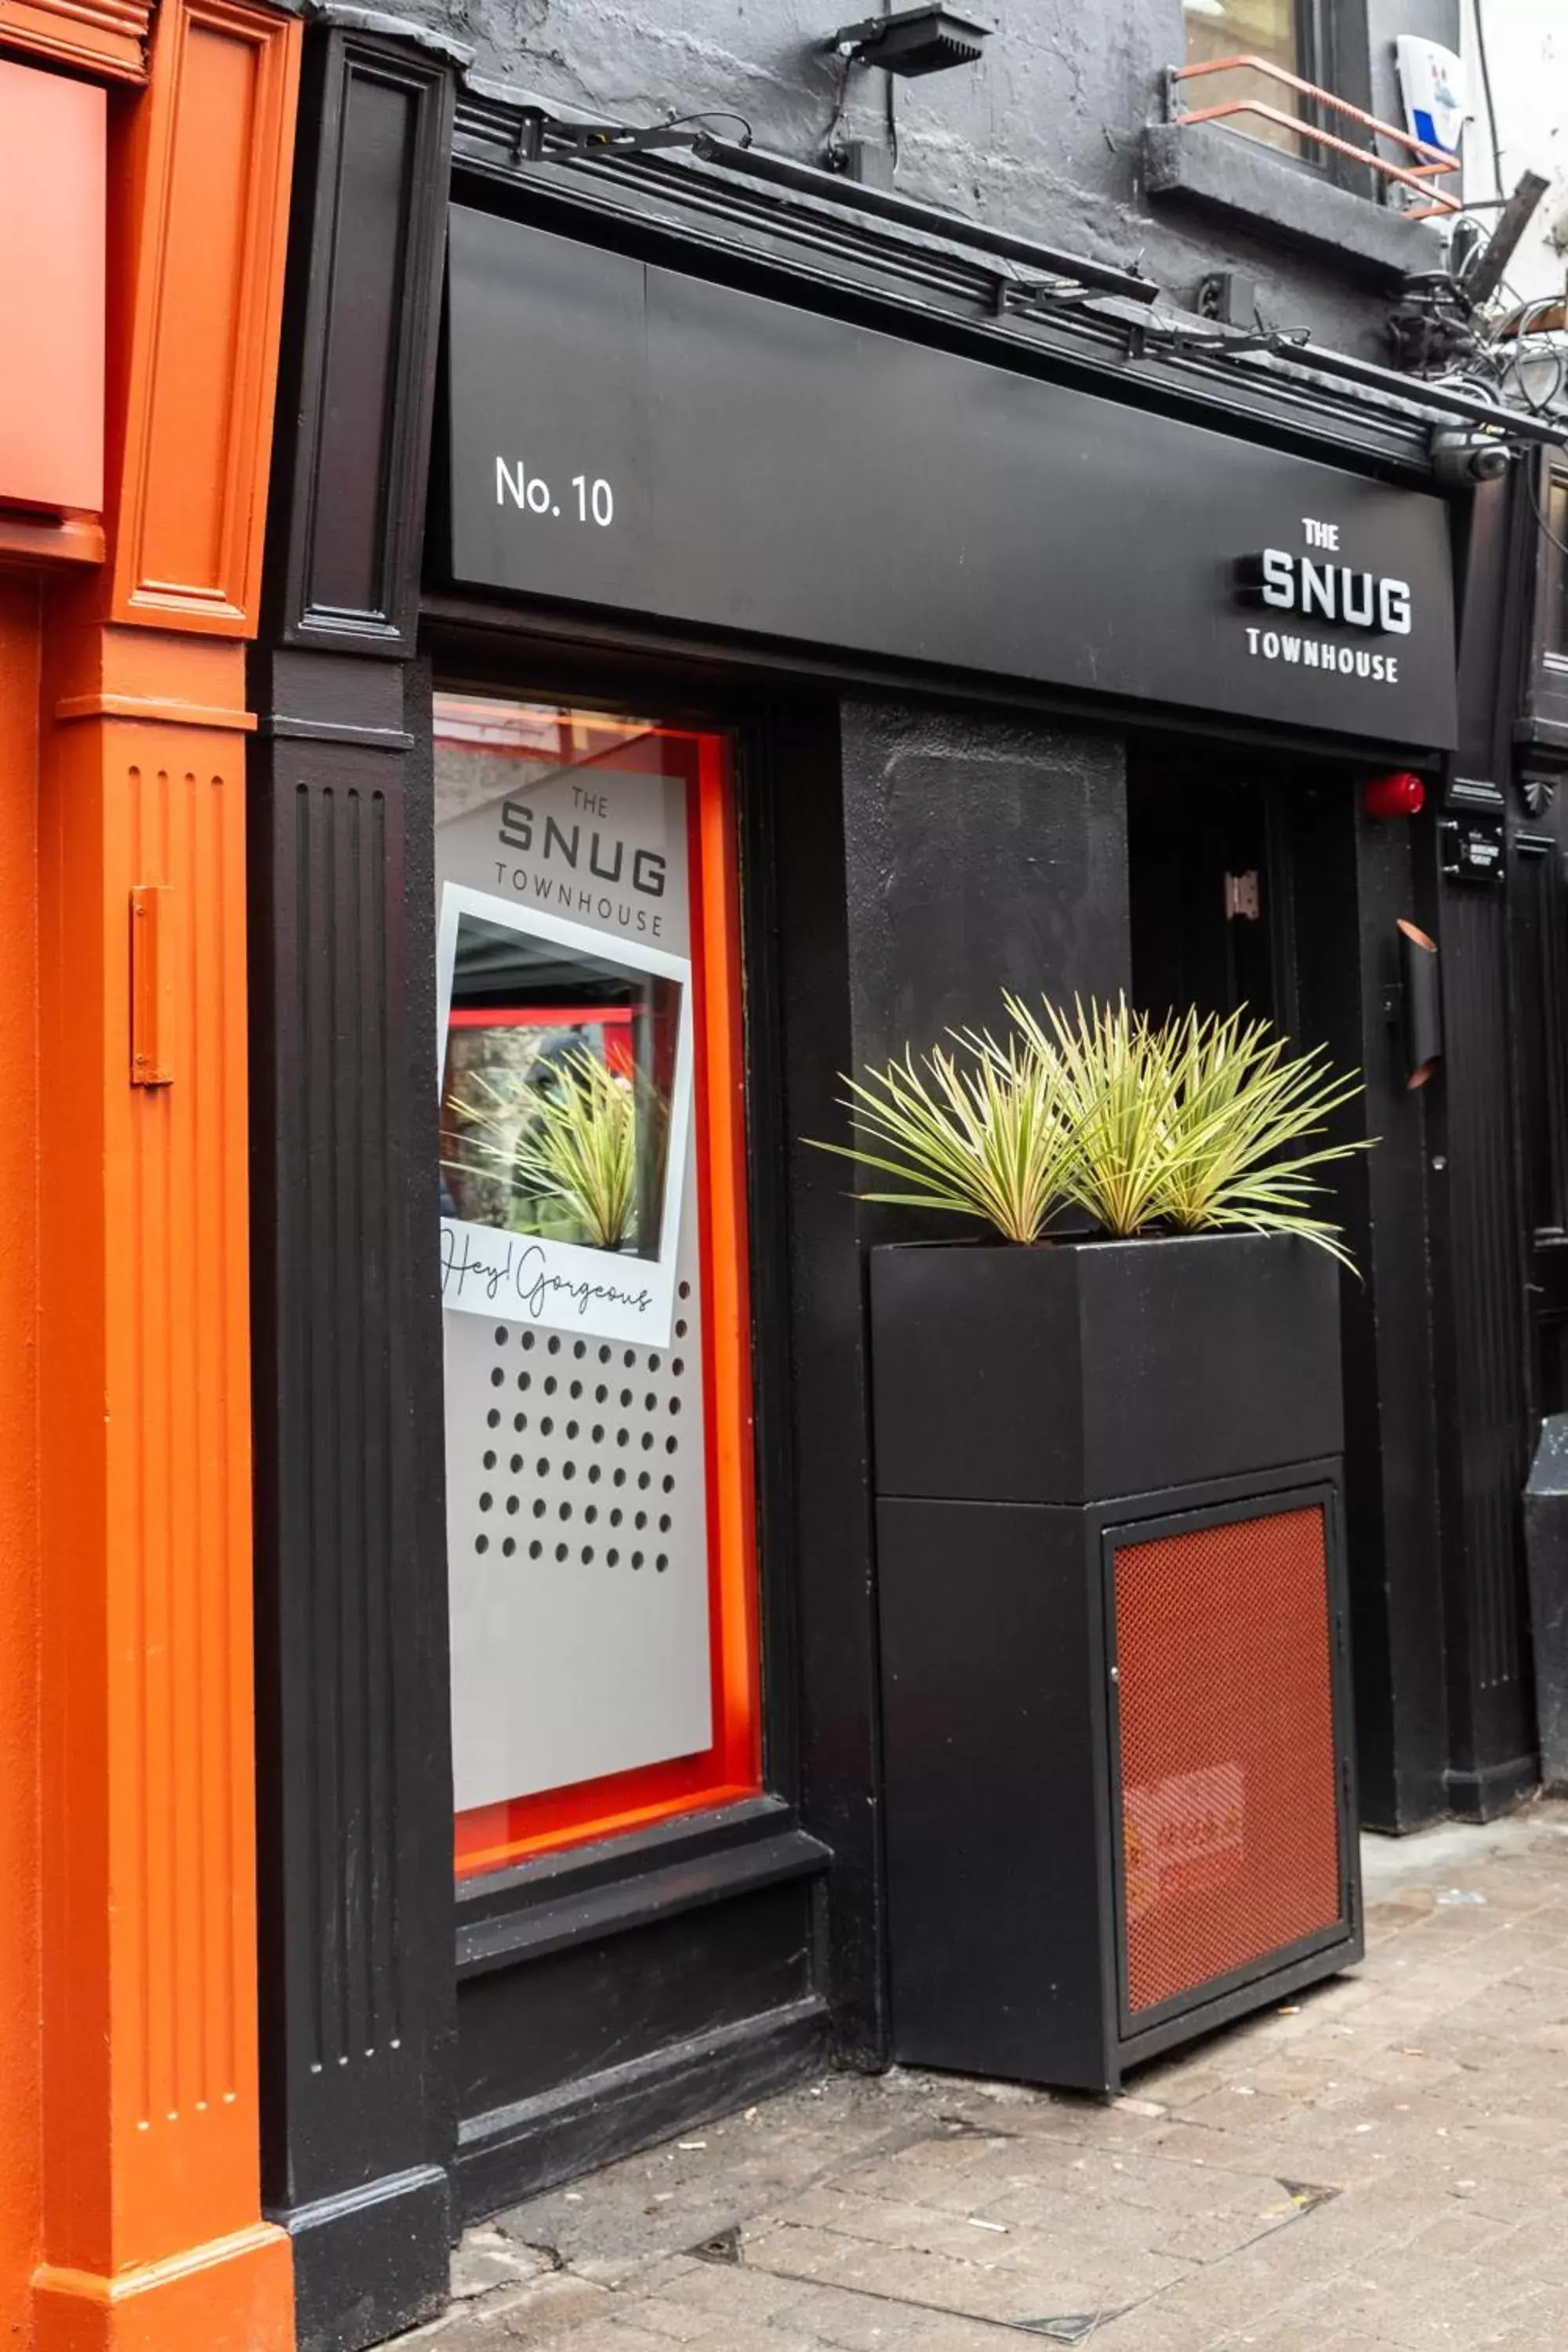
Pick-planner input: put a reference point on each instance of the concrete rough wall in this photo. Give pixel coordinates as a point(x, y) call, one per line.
point(1042, 137)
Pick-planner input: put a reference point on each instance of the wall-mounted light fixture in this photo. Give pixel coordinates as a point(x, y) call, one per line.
point(1398, 795)
point(912, 41)
point(1421, 997)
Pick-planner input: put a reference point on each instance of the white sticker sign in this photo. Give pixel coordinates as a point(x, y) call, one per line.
point(564, 1077)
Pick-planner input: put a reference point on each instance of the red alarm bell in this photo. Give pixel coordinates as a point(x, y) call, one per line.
point(1398, 794)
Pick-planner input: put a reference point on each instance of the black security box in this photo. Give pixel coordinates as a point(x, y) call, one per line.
point(1115, 1680)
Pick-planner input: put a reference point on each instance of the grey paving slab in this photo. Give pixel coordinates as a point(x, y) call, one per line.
point(1381, 2166)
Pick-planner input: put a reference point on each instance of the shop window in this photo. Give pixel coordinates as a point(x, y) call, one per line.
point(1277, 31)
point(593, 1271)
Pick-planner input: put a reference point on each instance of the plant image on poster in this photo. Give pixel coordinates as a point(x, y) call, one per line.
point(565, 1079)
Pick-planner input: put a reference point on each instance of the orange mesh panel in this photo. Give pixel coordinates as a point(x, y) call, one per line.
point(1228, 1810)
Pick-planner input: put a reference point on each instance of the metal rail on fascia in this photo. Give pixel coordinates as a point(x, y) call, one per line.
point(1300, 353)
point(1516, 424)
point(904, 212)
point(543, 130)
point(536, 134)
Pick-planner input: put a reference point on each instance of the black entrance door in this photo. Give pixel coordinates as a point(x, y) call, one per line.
point(1256, 879)
point(1210, 883)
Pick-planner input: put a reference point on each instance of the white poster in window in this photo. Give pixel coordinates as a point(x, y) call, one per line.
point(565, 1096)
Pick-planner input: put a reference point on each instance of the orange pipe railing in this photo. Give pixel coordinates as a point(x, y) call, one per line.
point(1417, 175)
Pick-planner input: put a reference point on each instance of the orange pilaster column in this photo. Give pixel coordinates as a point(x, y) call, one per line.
point(20, 2188)
point(152, 2238)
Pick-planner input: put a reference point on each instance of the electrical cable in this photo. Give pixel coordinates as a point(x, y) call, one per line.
point(714, 114)
point(828, 145)
point(1527, 313)
point(1479, 15)
point(891, 102)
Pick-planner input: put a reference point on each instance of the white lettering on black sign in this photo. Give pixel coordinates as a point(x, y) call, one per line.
point(1313, 588)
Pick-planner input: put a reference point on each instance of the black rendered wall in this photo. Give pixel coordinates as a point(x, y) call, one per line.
point(354, 1813)
point(982, 854)
point(924, 859)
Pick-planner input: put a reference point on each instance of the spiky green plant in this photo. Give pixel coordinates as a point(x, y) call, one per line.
point(975, 1132)
point(576, 1145)
point(1116, 1096)
point(582, 1148)
point(1242, 1107)
point(1192, 1121)
point(1195, 1123)
point(487, 1118)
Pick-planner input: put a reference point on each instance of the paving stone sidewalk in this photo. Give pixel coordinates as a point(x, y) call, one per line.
point(1383, 2163)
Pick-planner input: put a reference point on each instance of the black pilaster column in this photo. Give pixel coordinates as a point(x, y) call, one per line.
point(354, 1751)
point(1487, 1443)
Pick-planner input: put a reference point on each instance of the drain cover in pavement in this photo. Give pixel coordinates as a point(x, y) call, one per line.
point(1306, 2194)
point(724, 2246)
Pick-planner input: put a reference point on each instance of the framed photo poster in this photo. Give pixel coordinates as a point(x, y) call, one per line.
point(566, 1095)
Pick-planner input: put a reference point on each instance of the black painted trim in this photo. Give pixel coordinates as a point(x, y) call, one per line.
point(625, 1896)
point(513, 2152)
point(1482, 1796)
point(1480, 1246)
point(572, 646)
point(354, 1860)
point(351, 225)
point(390, 2239)
point(279, 728)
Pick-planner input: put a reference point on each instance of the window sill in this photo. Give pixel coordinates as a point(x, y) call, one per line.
point(587, 1893)
point(1219, 172)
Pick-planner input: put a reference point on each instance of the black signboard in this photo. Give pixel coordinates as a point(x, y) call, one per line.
point(625, 436)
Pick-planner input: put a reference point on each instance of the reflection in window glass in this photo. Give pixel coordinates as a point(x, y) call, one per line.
point(556, 1090)
point(1557, 571)
point(1270, 29)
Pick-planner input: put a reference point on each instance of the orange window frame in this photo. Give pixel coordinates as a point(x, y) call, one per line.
point(498, 1836)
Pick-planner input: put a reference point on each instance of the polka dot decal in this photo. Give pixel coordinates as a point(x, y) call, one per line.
point(602, 1454)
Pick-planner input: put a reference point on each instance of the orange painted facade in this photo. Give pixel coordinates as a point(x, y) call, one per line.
point(129, 2211)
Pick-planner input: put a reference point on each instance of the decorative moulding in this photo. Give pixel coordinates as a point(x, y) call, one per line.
point(105, 37)
point(201, 366)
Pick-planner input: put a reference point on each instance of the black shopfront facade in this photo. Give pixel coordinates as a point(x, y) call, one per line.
point(688, 649)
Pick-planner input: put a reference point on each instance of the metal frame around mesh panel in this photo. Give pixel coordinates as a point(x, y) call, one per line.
point(1289, 1867)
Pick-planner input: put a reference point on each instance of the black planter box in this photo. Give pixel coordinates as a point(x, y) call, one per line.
point(1068, 1374)
point(1115, 1681)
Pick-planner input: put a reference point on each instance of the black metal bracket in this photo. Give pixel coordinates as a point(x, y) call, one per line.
point(536, 126)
